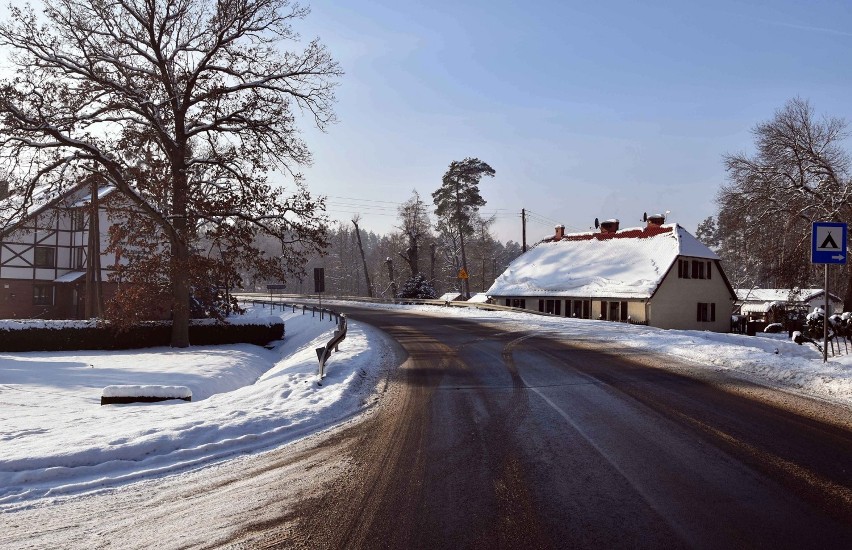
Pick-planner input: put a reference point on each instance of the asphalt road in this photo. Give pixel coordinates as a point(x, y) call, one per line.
point(509, 440)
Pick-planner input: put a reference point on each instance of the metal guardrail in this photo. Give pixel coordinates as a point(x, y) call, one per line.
point(283, 298)
point(323, 312)
point(324, 352)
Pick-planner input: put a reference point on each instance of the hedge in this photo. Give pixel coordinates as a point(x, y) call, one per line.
point(59, 336)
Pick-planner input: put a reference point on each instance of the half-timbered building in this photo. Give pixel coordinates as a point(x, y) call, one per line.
point(46, 255)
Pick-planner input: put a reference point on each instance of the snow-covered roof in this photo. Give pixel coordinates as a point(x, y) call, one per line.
point(479, 298)
point(450, 296)
point(69, 277)
point(103, 192)
point(630, 263)
point(781, 294)
point(760, 307)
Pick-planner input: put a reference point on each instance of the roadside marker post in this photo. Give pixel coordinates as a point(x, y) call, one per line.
point(828, 246)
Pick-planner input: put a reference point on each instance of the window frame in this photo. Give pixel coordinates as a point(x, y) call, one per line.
point(38, 260)
point(44, 294)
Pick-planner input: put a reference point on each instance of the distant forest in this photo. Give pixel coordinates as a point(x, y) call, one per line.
point(344, 270)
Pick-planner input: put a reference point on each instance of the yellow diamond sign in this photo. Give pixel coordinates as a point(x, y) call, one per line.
point(463, 274)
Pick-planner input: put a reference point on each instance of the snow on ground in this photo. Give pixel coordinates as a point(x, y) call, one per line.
point(57, 441)
point(770, 359)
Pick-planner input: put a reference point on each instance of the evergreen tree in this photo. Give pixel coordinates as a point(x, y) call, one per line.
point(417, 287)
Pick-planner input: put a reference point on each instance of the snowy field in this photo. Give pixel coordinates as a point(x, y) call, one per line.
point(56, 441)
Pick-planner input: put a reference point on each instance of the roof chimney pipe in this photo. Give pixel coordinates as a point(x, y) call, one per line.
point(656, 220)
point(609, 226)
point(560, 232)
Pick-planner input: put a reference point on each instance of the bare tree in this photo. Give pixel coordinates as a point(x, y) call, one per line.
point(184, 106)
point(799, 174)
point(458, 199)
point(415, 226)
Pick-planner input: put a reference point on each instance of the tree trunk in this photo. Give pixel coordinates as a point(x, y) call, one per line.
point(180, 255)
point(465, 282)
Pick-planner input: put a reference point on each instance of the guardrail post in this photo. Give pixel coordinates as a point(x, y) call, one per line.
point(324, 352)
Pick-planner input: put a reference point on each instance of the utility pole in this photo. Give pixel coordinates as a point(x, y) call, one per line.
point(432, 263)
point(94, 306)
point(363, 258)
point(390, 274)
point(524, 229)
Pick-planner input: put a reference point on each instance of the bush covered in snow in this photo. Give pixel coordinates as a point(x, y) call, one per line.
point(417, 287)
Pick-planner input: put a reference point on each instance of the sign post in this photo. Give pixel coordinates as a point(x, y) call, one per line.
point(828, 246)
point(319, 282)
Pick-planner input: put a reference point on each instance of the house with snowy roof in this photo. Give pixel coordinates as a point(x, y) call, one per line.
point(659, 275)
point(45, 251)
point(771, 304)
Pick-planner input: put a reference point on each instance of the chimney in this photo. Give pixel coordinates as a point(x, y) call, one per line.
point(560, 232)
point(609, 226)
point(656, 220)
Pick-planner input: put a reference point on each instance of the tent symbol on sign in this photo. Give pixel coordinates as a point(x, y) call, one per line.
point(829, 242)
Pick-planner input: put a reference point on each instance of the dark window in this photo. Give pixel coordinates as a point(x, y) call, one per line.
point(45, 256)
point(623, 311)
point(80, 257)
point(508, 302)
point(680, 269)
point(553, 306)
point(541, 306)
point(78, 220)
point(603, 309)
point(43, 295)
point(706, 313)
point(587, 309)
point(613, 311)
point(685, 269)
point(709, 270)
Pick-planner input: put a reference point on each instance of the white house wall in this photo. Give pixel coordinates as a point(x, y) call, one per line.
point(675, 303)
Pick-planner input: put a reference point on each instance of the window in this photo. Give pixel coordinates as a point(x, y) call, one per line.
point(694, 269)
point(43, 295)
point(541, 306)
point(78, 220)
point(587, 309)
point(552, 306)
point(613, 311)
point(706, 313)
point(80, 257)
point(45, 256)
point(683, 269)
point(603, 310)
point(515, 302)
point(624, 311)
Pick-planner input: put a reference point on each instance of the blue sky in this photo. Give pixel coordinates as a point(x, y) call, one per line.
point(584, 109)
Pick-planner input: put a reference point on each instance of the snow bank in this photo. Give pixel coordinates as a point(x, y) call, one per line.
point(56, 439)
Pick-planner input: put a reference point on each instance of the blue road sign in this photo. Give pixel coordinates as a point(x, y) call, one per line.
point(828, 243)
